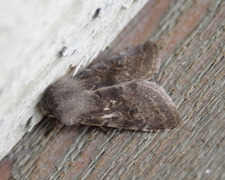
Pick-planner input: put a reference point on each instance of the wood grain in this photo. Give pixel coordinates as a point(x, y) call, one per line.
point(191, 36)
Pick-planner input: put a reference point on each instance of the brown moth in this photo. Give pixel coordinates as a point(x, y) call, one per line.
point(114, 93)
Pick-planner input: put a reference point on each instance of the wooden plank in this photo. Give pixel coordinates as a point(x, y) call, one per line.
point(191, 36)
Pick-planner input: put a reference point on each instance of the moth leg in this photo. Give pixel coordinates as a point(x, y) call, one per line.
point(103, 129)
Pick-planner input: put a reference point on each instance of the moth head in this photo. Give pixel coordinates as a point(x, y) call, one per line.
point(65, 100)
point(48, 103)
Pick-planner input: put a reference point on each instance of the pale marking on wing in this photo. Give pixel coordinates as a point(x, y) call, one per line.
point(109, 115)
point(113, 101)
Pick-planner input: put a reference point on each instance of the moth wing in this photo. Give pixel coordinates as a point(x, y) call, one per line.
point(141, 62)
point(136, 105)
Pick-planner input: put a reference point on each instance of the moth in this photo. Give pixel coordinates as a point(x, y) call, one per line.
point(114, 93)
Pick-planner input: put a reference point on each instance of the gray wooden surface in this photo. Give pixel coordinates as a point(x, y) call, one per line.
point(191, 36)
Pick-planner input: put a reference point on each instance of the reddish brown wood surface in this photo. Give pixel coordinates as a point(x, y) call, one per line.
point(191, 36)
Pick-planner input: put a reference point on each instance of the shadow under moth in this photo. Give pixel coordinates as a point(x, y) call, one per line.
point(114, 93)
